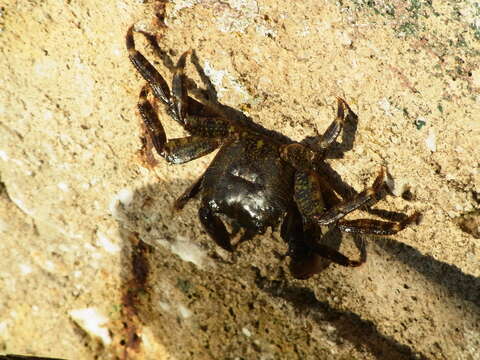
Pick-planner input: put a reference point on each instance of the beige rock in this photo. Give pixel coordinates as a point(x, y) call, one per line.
point(78, 196)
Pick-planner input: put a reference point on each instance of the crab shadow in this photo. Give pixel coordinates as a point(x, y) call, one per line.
point(457, 284)
point(365, 333)
point(140, 256)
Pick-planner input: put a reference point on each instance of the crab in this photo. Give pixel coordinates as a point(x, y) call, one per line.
point(257, 180)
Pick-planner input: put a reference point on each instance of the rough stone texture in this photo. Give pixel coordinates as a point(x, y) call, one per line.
point(79, 204)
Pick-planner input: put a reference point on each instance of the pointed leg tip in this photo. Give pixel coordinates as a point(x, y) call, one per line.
point(143, 93)
point(355, 263)
point(177, 207)
point(341, 103)
point(381, 172)
point(380, 180)
point(416, 218)
point(130, 30)
point(130, 43)
point(228, 248)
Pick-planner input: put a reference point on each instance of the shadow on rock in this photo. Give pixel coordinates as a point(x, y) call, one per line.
point(198, 302)
point(458, 284)
point(349, 326)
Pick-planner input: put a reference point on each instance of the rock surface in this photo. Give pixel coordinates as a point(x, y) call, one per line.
point(95, 263)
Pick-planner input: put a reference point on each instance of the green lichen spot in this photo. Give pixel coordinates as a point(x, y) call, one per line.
point(419, 124)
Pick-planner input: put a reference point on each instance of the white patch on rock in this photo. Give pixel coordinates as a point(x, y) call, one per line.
point(3, 226)
point(305, 31)
point(21, 206)
point(164, 306)
point(107, 244)
point(430, 141)
point(344, 38)
point(186, 250)
point(48, 115)
point(215, 76)
point(49, 266)
point(3, 155)
point(178, 5)
point(63, 186)
point(246, 332)
point(67, 233)
point(263, 30)
point(385, 105)
point(92, 320)
point(220, 77)
point(117, 51)
point(125, 197)
point(3, 327)
point(46, 67)
point(25, 269)
point(184, 312)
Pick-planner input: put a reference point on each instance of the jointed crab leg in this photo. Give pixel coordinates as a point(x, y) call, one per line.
point(306, 157)
point(152, 123)
point(157, 83)
point(188, 194)
point(179, 89)
point(329, 136)
point(307, 191)
point(333, 255)
point(215, 228)
point(304, 249)
point(180, 106)
point(182, 150)
point(368, 196)
point(308, 195)
point(176, 151)
point(376, 227)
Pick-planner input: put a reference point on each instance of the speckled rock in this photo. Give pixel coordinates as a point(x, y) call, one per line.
point(96, 263)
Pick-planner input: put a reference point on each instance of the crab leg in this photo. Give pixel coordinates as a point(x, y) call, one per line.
point(157, 83)
point(152, 123)
point(176, 151)
point(310, 201)
point(308, 195)
point(195, 117)
point(305, 251)
point(329, 136)
point(377, 227)
point(178, 102)
point(306, 157)
point(179, 89)
point(215, 228)
point(368, 196)
point(188, 194)
point(182, 150)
